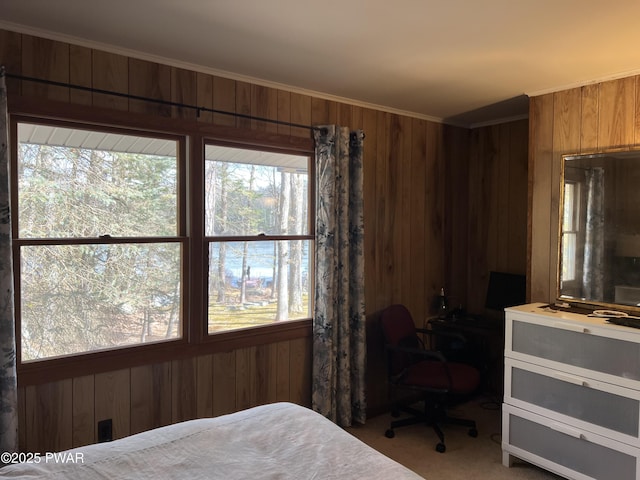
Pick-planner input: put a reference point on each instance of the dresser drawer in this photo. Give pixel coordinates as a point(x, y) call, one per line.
point(599, 353)
point(565, 449)
point(599, 407)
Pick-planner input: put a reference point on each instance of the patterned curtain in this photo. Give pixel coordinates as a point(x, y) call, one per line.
point(339, 346)
point(8, 382)
point(593, 274)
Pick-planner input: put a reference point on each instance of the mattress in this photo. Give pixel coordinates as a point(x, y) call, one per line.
point(275, 441)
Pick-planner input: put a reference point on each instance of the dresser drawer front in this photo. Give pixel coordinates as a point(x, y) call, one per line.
point(596, 406)
point(553, 343)
point(566, 450)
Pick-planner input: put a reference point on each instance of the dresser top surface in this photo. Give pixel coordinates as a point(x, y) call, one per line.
point(543, 310)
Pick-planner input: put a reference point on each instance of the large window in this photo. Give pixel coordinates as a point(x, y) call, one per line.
point(258, 236)
point(98, 232)
point(119, 244)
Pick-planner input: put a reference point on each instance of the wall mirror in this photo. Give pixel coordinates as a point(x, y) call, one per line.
point(599, 236)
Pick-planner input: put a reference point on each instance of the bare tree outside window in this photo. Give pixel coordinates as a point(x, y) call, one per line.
point(99, 264)
point(265, 243)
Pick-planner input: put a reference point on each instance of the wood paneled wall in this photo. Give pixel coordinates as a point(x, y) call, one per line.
point(497, 207)
point(64, 414)
point(594, 117)
point(419, 184)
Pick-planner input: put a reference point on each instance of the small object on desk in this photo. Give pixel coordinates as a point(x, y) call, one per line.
point(442, 304)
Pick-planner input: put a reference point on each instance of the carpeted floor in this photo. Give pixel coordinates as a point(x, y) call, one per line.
point(466, 457)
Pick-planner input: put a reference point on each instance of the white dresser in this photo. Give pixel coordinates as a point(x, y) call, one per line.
point(571, 394)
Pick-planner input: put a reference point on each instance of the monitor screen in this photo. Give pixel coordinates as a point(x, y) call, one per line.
point(505, 290)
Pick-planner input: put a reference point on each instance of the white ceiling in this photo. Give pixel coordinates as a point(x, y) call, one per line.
point(465, 62)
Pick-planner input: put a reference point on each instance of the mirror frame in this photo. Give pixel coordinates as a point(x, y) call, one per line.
point(567, 300)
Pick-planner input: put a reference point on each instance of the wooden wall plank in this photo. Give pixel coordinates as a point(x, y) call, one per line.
point(300, 114)
point(204, 96)
point(567, 113)
point(457, 154)
point(184, 90)
point(80, 74)
point(323, 112)
point(113, 400)
point(84, 431)
point(151, 399)
point(22, 420)
point(540, 167)
point(369, 209)
point(282, 369)
point(517, 208)
point(491, 199)
point(501, 234)
point(243, 104)
point(110, 73)
point(45, 59)
point(284, 112)
point(436, 269)
point(149, 80)
point(264, 104)
point(299, 368)
point(204, 386)
point(48, 416)
point(183, 390)
point(224, 100)
point(403, 213)
point(589, 118)
point(344, 115)
point(636, 129)
point(224, 383)
point(383, 248)
point(483, 175)
point(418, 257)
point(616, 114)
point(246, 387)
point(266, 373)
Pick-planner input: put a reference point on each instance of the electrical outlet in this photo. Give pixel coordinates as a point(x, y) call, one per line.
point(105, 430)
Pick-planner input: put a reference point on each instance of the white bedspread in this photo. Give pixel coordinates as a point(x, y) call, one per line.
point(276, 441)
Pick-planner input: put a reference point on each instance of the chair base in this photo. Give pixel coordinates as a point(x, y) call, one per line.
point(434, 415)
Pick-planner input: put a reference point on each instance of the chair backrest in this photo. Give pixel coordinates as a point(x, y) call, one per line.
point(399, 330)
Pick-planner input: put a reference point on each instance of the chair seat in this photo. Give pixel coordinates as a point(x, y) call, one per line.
point(431, 374)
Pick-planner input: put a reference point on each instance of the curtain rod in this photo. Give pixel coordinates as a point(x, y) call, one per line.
point(155, 100)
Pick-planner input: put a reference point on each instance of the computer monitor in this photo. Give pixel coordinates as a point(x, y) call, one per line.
point(505, 290)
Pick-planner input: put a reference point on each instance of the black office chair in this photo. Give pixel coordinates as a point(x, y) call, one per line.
point(413, 367)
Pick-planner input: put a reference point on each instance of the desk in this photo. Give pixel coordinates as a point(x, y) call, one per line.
point(484, 347)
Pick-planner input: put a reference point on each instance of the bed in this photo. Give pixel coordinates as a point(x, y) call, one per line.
point(275, 441)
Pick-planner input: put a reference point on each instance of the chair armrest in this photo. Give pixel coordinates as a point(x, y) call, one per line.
point(426, 354)
point(441, 332)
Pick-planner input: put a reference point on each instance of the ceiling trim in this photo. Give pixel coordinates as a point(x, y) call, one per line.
point(18, 28)
point(616, 76)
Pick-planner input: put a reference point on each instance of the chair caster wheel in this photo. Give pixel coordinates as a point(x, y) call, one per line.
point(440, 448)
point(473, 432)
point(390, 433)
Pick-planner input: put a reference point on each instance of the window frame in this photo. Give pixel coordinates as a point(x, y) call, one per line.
point(212, 239)
point(180, 236)
point(195, 338)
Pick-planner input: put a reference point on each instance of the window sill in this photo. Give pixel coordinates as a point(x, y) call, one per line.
point(43, 371)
